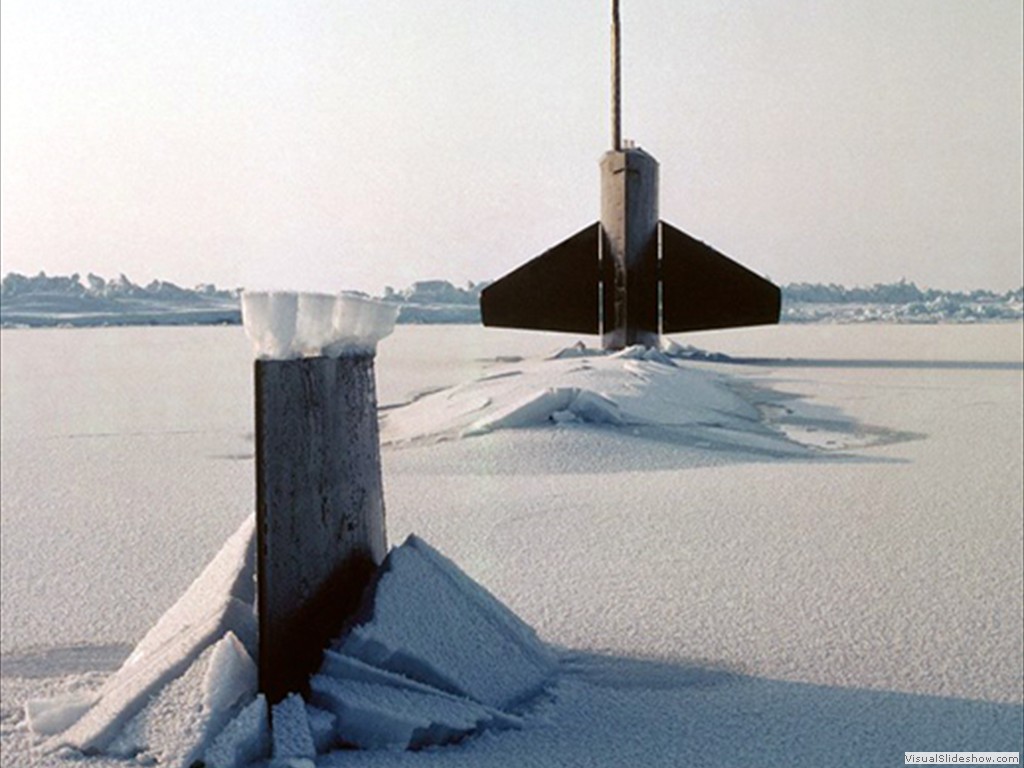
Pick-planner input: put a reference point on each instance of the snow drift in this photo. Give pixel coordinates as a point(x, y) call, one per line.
point(645, 391)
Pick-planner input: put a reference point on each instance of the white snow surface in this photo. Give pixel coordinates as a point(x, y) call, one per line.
point(837, 604)
point(283, 325)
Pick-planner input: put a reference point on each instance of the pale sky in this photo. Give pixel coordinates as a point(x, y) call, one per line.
point(358, 143)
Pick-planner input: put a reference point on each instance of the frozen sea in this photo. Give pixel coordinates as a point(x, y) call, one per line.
point(717, 604)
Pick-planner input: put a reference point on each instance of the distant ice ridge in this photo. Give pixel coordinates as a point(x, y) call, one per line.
point(47, 301)
point(435, 659)
point(283, 325)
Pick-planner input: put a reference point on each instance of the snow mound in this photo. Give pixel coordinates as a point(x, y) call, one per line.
point(283, 325)
point(435, 659)
point(558, 404)
point(644, 390)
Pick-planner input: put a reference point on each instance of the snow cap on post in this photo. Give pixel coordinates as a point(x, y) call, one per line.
point(285, 325)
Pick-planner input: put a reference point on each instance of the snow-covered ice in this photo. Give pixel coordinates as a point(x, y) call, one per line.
point(180, 685)
point(181, 719)
point(47, 717)
point(244, 740)
point(436, 658)
point(477, 658)
point(322, 727)
point(292, 734)
point(835, 605)
point(384, 717)
point(432, 624)
point(219, 603)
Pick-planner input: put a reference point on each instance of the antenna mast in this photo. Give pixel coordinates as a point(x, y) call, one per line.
point(616, 80)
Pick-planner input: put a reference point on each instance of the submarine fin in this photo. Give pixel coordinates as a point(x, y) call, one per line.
point(556, 291)
point(703, 289)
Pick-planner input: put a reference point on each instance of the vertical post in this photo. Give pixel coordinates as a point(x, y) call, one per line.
point(616, 80)
point(320, 507)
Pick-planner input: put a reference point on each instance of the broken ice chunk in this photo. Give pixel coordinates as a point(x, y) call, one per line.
point(343, 667)
point(244, 740)
point(358, 323)
point(378, 716)
point(219, 600)
point(292, 736)
point(528, 411)
point(348, 668)
point(49, 716)
point(231, 675)
point(564, 417)
point(434, 624)
point(270, 319)
point(595, 408)
point(321, 726)
point(641, 352)
point(177, 724)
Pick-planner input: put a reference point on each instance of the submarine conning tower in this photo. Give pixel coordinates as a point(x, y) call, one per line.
point(629, 249)
point(629, 277)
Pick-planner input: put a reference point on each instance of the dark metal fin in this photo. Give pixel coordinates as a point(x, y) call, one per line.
point(703, 289)
point(556, 291)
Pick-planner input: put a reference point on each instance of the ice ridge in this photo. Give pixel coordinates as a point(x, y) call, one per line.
point(435, 659)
